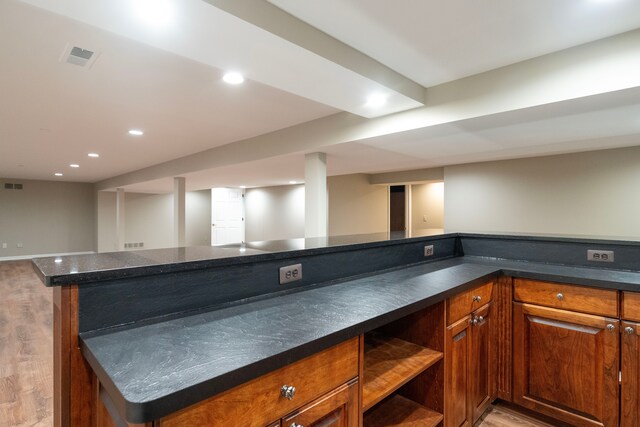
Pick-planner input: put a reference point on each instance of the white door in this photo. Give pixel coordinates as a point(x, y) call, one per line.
point(227, 216)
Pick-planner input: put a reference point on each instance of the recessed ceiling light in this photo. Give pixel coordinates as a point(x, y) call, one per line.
point(93, 155)
point(376, 100)
point(243, 186)
point(156, 13)
point(293, 182)
point(233, 78)
point(73, 165)
point(136, 132)
point(57, 174)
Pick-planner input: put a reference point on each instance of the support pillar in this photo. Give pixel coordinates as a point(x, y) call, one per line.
point(120, 225)
point(316, 201)
point(179, 209)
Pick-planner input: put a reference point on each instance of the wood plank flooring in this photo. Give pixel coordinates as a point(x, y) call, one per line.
point(26, 355)
point(501, 416)
point(26, 347)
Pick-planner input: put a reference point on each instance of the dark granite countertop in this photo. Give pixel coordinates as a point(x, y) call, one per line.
point(154, 369)
point(90, 268)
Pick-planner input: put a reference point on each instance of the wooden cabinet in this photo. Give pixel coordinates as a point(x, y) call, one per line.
point(259, 402)
point(630, 390)
point(469, 355)
point(338, 408)
point(457, 351)
point(481, 372)
point(565, 364)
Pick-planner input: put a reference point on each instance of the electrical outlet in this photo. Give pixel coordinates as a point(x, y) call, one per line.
point(19, 245)
point(290, 273)
point(600, 256)
point(4, 246)
point(428, 250)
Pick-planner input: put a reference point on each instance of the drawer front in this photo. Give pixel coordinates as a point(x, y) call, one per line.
point(465, 302)
point(631, 306)
point(258, 402)
point(603, 302)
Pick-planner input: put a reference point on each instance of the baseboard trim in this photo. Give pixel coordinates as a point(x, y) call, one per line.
point(23, 257)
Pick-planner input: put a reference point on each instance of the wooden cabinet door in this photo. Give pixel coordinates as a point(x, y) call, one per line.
point(457, 351)
point(566, 364)
point(480, 375)
point(338, 408)
point(630, 397)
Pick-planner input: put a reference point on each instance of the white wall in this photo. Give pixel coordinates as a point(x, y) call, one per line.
point(198, 218)
point(149, 219)
point(427, 206)
point(46, 217)
point(355, 206)
point(274, 213)
point(591, 194)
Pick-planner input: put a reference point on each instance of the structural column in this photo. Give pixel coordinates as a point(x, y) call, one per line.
point(120, 234)
point(316, 203)
point(179, 209)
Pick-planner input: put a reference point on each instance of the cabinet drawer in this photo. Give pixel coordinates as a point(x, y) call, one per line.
point(631, 306)
point(465, 302)
point(603, 302)
point(258, 402)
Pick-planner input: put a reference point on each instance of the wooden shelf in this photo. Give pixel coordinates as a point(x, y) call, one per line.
point(389, 363)
point(401, 412)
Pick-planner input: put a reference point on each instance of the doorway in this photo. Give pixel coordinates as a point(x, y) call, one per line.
point(397, 210)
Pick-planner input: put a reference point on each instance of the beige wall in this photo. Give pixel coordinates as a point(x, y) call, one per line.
point(46, 217)
point(149, 219)
point(592, 194)
point(274, 213)
point(355, 206)
point(427, 206)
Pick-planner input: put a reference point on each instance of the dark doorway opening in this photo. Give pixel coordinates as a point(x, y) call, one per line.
point(397, 213)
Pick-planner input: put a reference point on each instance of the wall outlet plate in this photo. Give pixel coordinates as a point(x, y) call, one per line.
point(599, 256)
point(290, 273)
point(428, 250)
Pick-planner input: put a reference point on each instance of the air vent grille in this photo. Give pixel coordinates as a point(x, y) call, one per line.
point(78, 56)
point(11, 186)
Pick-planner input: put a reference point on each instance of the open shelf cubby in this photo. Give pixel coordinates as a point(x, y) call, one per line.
point(399, 411)
point(390, 363)
point(403, 372)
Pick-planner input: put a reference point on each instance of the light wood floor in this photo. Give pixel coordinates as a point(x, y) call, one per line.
point(26, 347)
point(26, 355)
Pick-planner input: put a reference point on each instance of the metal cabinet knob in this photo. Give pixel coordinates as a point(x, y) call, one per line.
point(610, 327)
point(629, 330)
point(288, 391)
point(560, 296)
point(477, 298)
point(477, 320)
point(296, 425)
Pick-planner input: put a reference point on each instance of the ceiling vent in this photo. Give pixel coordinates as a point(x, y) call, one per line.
point(78, 56)
point(10, 186)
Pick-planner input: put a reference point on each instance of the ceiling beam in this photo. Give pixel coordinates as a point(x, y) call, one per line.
point(591, 70)
point(276, 21)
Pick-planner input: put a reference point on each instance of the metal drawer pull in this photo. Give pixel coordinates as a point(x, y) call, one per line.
point(629, 330)
point(288, 391)
point(296, 425)
point(610, 327)
point(477, 298)
point(560, 296)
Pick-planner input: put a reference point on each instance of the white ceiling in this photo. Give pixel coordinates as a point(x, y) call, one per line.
point(435, 41)
point(53, 113)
